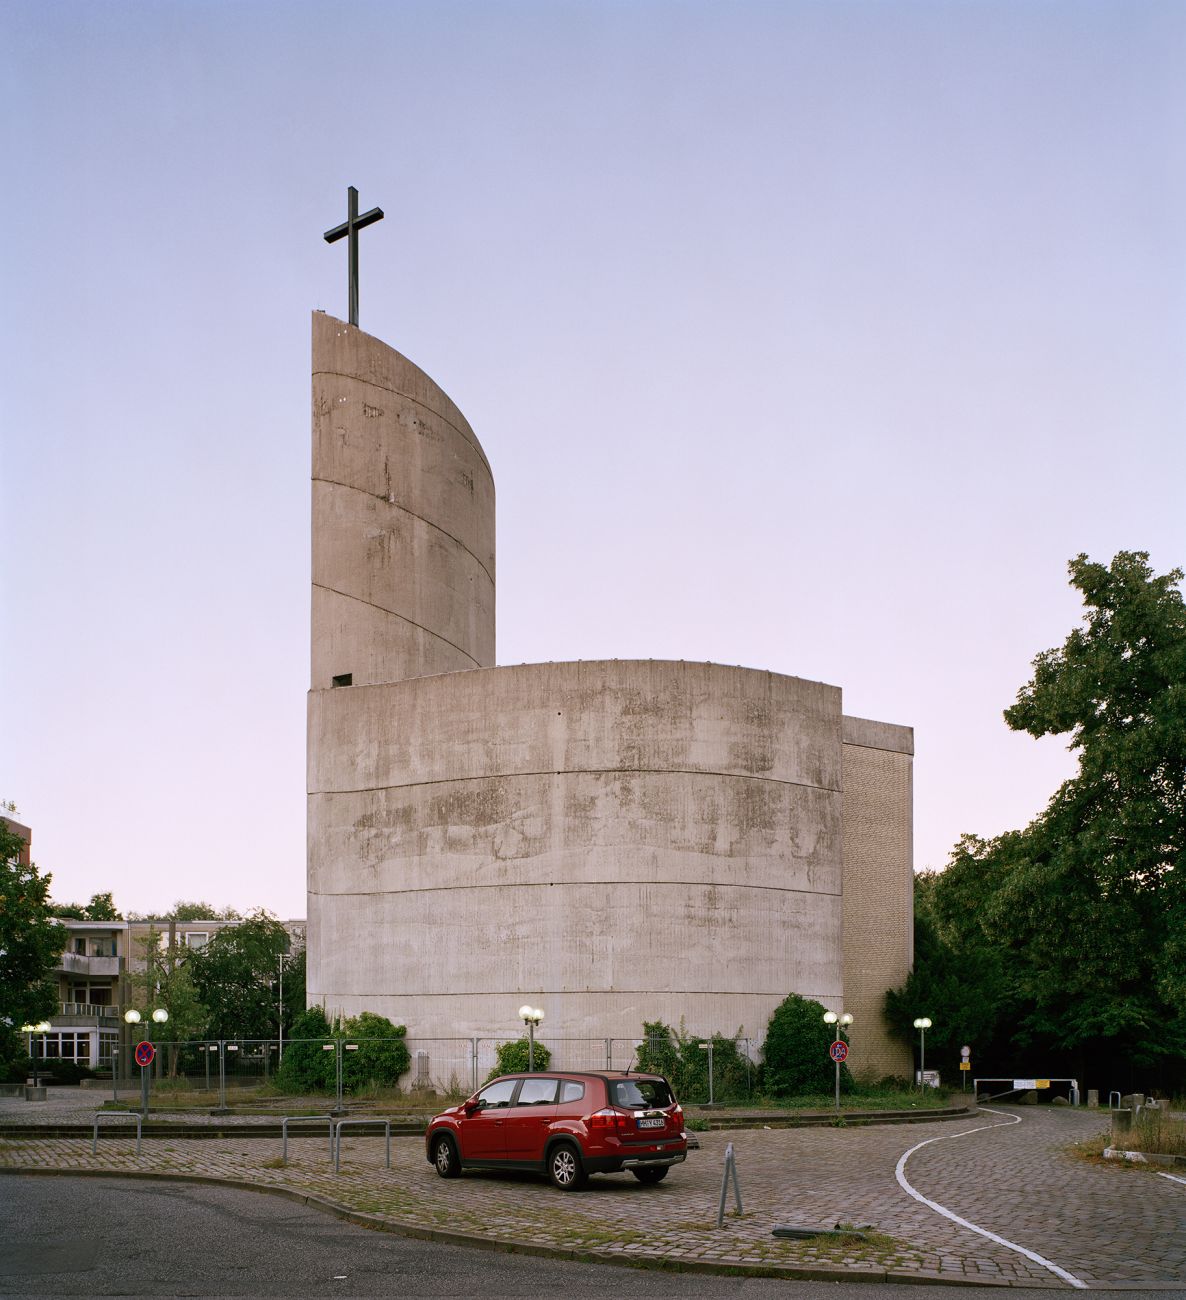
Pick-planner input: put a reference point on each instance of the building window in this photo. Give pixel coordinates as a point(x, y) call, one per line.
point(197, 938)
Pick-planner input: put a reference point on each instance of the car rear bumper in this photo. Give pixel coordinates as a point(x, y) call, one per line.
point(612, 1164)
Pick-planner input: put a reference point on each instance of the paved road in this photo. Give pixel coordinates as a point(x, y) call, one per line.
point(82, 1237)
point(1104, 1225)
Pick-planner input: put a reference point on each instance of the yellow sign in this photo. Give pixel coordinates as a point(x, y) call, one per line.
point(965, 1065)
point(1041, 1083)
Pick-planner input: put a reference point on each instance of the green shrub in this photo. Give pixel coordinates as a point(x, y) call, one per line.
point(677, 1055)
point(64, 1073)
point(795, 1055)
point(381, 1057)
point(382, 1054)
point(512, 1058)
point(306, 1068)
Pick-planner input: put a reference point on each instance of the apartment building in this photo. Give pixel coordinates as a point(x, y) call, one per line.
point(95, 981)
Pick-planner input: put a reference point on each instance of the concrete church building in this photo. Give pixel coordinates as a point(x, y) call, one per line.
point(611, 841)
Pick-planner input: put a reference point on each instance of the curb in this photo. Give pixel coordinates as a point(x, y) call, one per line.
point(474, 1241)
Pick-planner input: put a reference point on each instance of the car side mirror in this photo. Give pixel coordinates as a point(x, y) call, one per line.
point(473, 1106)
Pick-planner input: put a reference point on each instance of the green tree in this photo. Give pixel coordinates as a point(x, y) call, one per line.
point(189, 911)
point(795, 1056)
point(964, 988)
point(1085, 909)
point(164, 980)
point(236, 975)
point(30, 944)
point(100, 908)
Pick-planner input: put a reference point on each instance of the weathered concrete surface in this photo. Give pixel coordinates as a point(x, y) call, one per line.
point(403, 518)
point(617, 841)
point(878, 773)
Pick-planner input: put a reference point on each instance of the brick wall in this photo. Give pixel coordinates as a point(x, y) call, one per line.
point(878, 883)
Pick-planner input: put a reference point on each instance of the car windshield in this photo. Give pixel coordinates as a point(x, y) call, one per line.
point(640, 1094)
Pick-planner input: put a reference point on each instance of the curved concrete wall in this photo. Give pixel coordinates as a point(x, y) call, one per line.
point(618, 841)
point(403, 518)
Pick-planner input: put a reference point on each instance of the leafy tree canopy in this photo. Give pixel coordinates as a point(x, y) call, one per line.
point(30, 943)
point(187, 911)
point(100, 908)
point(236, 976)
point(1081, 916)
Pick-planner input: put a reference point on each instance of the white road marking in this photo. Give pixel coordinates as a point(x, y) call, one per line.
point(899, 1172)
point(1172, 1177)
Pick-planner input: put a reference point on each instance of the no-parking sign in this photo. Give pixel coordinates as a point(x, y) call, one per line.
point(838, 1051)
point(145, 1052)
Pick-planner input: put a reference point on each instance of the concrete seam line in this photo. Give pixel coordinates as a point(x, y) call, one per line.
point(396, 505)
point(1172, 1177)
point(566, 771)
point(393, 613)
point(424, 406)
point(899, 1173)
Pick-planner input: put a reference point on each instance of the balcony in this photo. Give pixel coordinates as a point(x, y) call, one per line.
point(84, 1015)
point(74, 963)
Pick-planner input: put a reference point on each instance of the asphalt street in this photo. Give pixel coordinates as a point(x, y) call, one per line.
point(76, 1237)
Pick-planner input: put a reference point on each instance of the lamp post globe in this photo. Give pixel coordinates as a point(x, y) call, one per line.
point(922, 1024)
point(531, 1016)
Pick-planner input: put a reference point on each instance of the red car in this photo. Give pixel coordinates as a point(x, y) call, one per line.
point(565, 1124)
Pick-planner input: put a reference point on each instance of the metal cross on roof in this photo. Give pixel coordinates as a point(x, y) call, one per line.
point(350, 227)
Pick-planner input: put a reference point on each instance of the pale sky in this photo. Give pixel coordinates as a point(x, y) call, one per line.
point(811, 337)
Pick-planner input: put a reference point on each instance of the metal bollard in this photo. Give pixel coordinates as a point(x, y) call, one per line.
point(730, 1171)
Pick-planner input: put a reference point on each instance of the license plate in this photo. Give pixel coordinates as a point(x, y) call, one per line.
point(652, 1123)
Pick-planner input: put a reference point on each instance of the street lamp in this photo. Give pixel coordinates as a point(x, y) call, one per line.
point(133, 1017)
point(41, 1027)
point(839, 1049)
point(922, 1024)
point(531, 1016)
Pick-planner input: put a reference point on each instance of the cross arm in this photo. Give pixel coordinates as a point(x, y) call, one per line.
point(367, 219)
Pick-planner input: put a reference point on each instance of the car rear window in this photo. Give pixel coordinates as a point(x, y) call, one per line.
point(640, 1094)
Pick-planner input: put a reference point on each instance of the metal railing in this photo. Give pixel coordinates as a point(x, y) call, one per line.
point(215, 1071)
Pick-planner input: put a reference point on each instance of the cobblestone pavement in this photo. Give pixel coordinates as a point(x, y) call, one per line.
point(1103, 1224)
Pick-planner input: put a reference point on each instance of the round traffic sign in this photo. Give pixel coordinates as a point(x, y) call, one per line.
point(838, 1051)
point(965, 1052)
point(145, 1052)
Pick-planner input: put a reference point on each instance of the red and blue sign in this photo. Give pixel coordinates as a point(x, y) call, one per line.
point(838, 1051)
point(145, 1052)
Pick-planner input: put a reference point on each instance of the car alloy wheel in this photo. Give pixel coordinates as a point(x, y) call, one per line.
point(444, 1156)
point(565, 1169)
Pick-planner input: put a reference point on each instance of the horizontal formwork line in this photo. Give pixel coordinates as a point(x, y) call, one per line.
point(403, 618)
point(549, 884)
point(572, 993)
point(581, 771)
point(415, 401)
point(395, 505)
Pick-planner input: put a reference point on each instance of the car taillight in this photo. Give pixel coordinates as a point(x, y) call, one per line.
point(608, 1119)
point(677, 1115)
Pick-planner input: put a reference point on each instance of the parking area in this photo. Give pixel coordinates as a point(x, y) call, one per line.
point(1015, 1180)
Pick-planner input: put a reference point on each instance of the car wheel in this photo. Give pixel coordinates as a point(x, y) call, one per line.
point(565, 1168)
point(444, 1156)
point(649, 1176)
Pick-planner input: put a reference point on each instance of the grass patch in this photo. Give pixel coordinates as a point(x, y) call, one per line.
point(278, 1162)
point(1157, 1133)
